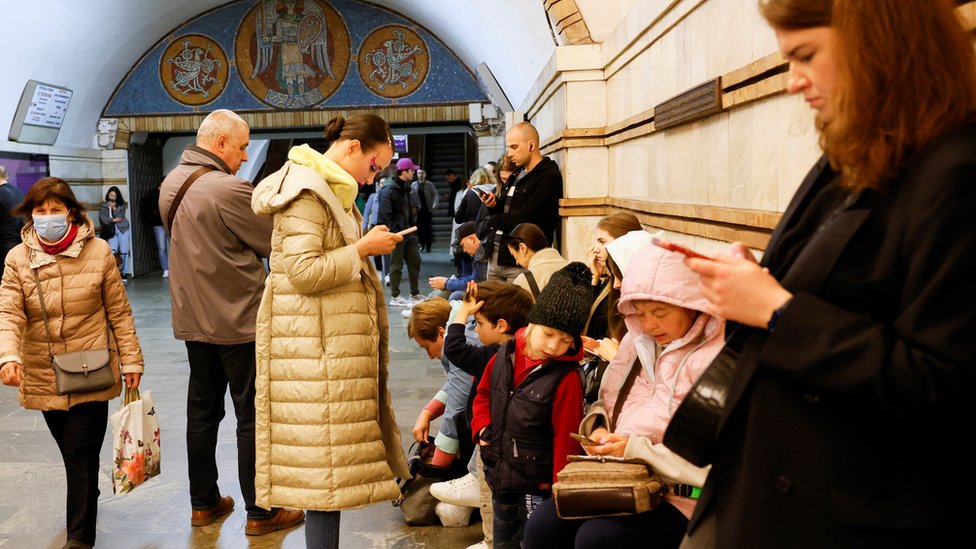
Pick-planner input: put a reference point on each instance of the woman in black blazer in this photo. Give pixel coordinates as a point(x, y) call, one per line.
point(855, 354)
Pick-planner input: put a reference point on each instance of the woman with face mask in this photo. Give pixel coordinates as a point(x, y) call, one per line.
point(87, 308)
point(115, 227)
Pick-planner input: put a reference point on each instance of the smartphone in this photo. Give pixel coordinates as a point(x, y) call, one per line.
point(405, 232)
point(585, 441)
point(480, 192)
point(667, 245)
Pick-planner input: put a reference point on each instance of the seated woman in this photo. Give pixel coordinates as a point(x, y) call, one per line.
point(608, 230)
point(531, 251)
point(671, 339)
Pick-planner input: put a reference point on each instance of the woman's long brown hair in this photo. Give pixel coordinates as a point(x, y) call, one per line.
point(906, 75)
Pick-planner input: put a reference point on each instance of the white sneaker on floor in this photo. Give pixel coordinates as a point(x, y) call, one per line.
point(386, 280)
point(399, 301)
point(453, 516)
point(165, 273)
point(406, 312)
point(480, 545)
point(415, 299)
point(460, 491)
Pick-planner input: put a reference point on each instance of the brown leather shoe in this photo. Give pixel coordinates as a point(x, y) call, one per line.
point(206, 517)
point(281, 520)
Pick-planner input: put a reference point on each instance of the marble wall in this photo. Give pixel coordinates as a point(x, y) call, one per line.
point(594, 114)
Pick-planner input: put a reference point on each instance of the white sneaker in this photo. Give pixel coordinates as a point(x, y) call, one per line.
point(406, 312)
point(399, 301)
point(386, 280)
point(453, 516)
point(480, 545)
point(165, 273)
point(460, 491)
point(415, 299)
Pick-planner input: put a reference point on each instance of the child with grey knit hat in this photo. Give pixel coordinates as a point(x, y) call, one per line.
point(530, 399)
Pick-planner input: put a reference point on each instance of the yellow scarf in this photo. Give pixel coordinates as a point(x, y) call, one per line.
point(342, 184)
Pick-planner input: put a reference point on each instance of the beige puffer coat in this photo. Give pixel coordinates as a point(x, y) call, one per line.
point(326, 436)
point(82, 288)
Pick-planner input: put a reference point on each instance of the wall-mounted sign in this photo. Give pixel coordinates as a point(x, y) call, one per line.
point(400, 143)
point(698, 102)
point(40, 113)
point(48, 106)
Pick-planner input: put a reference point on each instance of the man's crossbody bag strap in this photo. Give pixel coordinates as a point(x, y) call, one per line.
point(171, 215)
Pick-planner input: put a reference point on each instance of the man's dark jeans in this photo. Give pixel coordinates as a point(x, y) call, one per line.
point(407, 250)
point(212, 369)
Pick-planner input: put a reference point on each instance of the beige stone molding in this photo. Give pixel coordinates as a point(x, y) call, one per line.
point(181, 123)
point(567, 21)
point(752, 227)
point(765, 77)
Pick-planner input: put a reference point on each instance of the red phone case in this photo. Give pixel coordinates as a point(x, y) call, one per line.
point(678, 248)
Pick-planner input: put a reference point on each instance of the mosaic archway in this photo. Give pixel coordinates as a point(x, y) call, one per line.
point(292, 54)
point(193, 69)
point(393, 61)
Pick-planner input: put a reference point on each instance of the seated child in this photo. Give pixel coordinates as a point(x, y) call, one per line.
point(426, 327)
point(529, 400)
point(499, 309)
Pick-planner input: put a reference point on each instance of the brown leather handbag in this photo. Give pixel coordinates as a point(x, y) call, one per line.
point(606, 486)
point(600, 486)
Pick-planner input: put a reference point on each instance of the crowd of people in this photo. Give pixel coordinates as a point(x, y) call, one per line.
point(849, 340)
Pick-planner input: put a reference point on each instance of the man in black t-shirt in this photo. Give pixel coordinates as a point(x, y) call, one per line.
point(10, 225)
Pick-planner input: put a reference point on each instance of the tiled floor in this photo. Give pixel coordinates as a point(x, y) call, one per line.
point(157, 514)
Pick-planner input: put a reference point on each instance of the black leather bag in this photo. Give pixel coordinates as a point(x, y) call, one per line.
point(107, 231)
point(415, 501)
point(693, 427)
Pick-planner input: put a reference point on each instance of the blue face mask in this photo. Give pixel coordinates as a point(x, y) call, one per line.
point(52, 227)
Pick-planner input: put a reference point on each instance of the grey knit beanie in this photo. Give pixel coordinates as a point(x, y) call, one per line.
point(564, 304)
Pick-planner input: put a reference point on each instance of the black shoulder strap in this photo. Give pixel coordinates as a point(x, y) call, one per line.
point(171, 215)
point(618, 404)
point(533, 285)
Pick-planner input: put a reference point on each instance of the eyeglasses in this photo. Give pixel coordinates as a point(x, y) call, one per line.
point(373, 168)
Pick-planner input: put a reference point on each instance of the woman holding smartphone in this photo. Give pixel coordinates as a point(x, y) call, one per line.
point(322, 337)
point(855, 353)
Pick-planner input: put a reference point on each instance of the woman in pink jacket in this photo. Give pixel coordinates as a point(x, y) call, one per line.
point(671, 339)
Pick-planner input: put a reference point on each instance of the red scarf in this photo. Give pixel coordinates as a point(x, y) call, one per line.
point(61, 245)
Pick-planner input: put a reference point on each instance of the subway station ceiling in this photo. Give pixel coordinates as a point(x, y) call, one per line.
point(90, 47)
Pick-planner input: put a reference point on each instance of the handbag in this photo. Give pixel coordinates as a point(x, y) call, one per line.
point(79, 371)
point(602, 486)
point(606, 486)
point(415, 501)
point(136, 443)
point(694, 426)
point(107, 231)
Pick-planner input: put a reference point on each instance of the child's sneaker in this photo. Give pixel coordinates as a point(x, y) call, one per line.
point(399, 301)
point(453, 516)
point(460, 491)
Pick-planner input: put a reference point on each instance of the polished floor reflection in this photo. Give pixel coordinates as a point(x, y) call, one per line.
point(157, 514)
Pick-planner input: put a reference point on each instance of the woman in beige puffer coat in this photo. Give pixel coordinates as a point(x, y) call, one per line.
point(87, 308)
point(326, 436)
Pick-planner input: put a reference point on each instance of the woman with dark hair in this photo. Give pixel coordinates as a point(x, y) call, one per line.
point(854, 354)
point(322, 336)
point(115, 227)
point(84, 307)
point(531, 251)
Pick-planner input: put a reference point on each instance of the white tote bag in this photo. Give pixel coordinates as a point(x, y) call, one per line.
point(135, 430)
